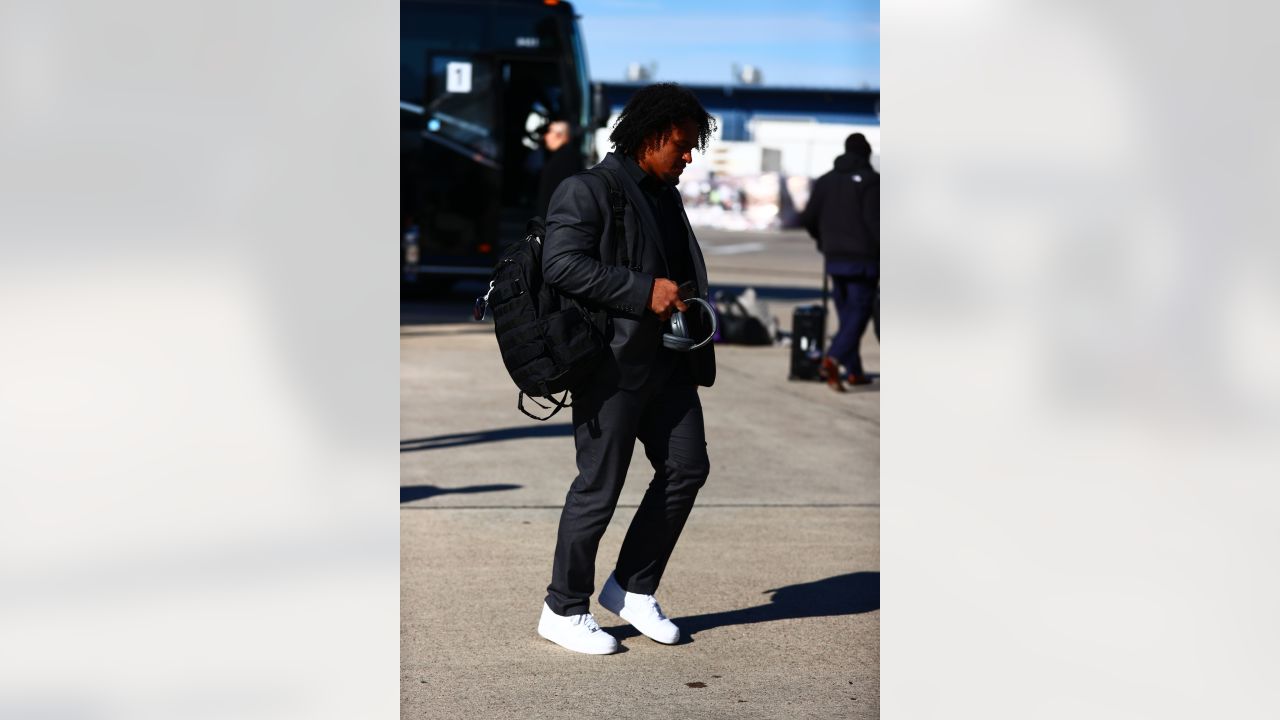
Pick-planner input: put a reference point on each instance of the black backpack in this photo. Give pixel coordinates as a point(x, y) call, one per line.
point(737, 326)
point(549, 341)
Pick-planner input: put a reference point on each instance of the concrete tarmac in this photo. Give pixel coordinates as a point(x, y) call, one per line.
point(775, 581)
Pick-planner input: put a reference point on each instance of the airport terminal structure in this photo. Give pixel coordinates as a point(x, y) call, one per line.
point(771, 143)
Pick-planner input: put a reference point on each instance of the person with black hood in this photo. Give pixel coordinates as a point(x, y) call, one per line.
point(843, 216)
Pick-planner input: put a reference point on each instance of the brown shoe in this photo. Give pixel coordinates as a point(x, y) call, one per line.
point(830, 371)
point(855, 379)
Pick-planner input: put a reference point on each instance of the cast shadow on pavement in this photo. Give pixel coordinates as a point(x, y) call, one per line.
point(409, 493)
point(483, 436)
point(847, 594)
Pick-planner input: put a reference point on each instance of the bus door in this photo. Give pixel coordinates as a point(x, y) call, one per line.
point(532, 94)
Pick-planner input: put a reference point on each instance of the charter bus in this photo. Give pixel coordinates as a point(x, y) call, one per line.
point(477, 78)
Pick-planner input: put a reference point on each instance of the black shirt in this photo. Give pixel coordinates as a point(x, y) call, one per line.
point(558, 165)
point(664, 203)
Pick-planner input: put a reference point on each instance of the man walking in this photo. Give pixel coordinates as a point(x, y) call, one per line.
point(843, 216)
point(642, 390)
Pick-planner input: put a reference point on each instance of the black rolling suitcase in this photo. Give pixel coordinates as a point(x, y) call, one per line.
point(808, 330)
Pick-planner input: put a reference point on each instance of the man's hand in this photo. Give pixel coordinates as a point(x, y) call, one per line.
point(664, 298)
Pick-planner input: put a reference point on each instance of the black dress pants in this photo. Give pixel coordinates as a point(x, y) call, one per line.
point(666, 416)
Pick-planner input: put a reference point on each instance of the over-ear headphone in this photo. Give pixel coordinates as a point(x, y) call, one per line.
point(678, 339)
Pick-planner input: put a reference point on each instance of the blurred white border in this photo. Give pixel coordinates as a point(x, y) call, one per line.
point(1080, 345)
point(199, 373)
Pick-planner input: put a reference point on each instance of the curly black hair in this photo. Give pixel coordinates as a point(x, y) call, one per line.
point(647, 120)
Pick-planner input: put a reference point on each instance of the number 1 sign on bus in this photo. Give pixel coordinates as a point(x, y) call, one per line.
point(459, 74)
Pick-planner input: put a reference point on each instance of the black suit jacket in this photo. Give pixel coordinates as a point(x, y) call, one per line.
point(578, 236)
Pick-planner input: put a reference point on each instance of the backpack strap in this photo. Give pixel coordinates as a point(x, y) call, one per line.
point(618, 205)
point(559, 404)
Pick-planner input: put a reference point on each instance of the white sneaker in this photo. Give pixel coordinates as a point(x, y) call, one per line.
point(579, 633)
point(641, 611)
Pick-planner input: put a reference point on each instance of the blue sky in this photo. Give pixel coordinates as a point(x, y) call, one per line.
point(805, 43)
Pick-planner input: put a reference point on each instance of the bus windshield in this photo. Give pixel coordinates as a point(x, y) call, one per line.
point(461, 66)
point(478, 80)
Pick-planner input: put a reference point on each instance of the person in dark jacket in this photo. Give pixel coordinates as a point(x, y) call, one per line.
point(562, 159)
point(843, 216)
point(642, 390)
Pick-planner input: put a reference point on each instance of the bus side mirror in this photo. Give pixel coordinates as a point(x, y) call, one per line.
point(599, 108)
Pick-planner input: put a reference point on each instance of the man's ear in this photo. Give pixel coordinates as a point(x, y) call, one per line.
point(650, 145)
